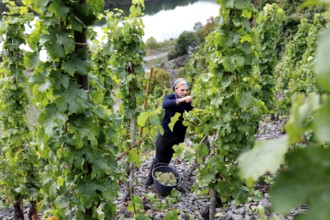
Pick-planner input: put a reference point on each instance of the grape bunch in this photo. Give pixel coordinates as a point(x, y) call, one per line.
point(166, 178)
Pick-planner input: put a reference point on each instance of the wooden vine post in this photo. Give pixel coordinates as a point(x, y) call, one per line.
point(81, 46)
point(147, 95)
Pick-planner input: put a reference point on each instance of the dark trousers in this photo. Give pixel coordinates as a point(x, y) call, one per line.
point(164, 150)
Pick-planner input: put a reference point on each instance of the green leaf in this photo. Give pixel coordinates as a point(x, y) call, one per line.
point(238, 60)
point(300, 112)
point(228, 3)
point(62, 201)
point(246, 101)
point(179, 150)
point(84, 130)
point(96, 5)
point(246, 13)
point(51, 118)
point(57, 43)
point(322, 64)
point(101, 164)
point(76, 64)
point(60, 181)
point(266, 156)
point(322, 119)
point(59, 10)
point(208, 171)
point(171, 215)
point(202, 150)
point(305, 182)
point(31, 59)
point(74, 100)
point(42, 3)
point(88, 191)
point(109, 210)
point(97, 96)
point(142, 118)
point(174, 119)
point(246, 38)
point(133, 157)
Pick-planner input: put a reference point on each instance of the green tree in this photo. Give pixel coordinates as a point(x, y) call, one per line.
point(152, 43)
point(186, 40)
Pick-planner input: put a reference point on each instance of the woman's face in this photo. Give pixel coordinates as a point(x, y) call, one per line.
point(181, 91)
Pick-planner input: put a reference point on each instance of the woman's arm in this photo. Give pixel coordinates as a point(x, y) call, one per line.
point(169, 101)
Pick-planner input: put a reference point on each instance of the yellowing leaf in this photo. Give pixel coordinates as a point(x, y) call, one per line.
point(142, 118)
point(246, 38)
point(173, 121)
point(60, 181)
point(246, 13)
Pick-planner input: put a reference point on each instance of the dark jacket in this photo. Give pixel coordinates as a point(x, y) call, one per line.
point(170, 106)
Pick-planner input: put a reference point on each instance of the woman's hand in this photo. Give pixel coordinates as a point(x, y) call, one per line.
point(186, 99)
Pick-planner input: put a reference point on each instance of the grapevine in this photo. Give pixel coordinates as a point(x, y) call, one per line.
point(292, 56)
point(18, 159)
point(90, 97)
point(302, 79)
point(269, 26)
point(226, 111)
point(80, 179)
point(307, 114)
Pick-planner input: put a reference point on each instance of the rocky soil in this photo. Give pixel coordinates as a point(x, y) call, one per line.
point(192, 205)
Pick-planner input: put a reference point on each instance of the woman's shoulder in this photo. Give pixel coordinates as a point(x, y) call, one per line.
point(170, 96)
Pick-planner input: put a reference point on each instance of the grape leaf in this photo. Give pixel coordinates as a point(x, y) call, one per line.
point(142, 118)
point(300, 112)
point(133, 157)
point(57, 43)
point(266, 156)
point(76, 64)
point(74, 100)
point(305, 182)
point(96, 5)
point(322, 119)
point(59, 9)
point(174, 119)
point(322, 64)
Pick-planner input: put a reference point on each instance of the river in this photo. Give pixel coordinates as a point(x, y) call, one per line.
point(167, 24)
point(166, 19)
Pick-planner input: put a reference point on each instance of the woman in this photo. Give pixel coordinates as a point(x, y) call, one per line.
point(179, 102)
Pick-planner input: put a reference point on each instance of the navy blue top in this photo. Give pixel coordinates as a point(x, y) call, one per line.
point(170, 106)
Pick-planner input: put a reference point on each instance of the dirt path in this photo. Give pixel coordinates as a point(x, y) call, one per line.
point(156, 56)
